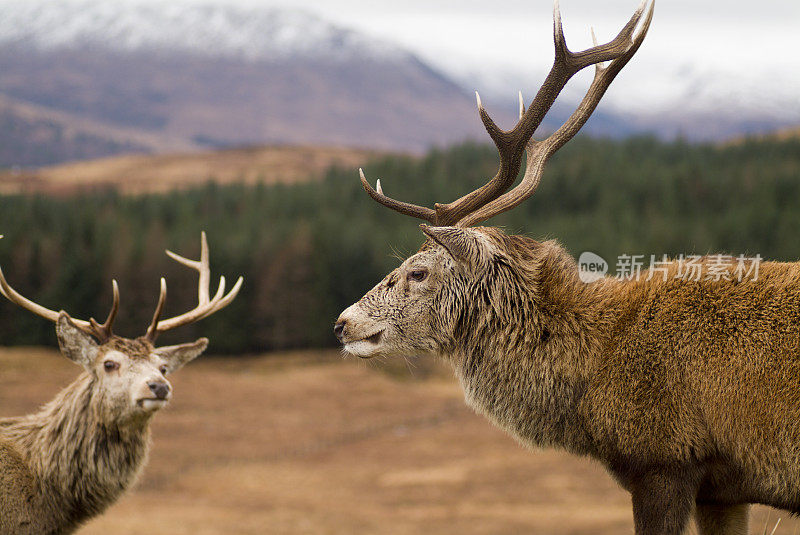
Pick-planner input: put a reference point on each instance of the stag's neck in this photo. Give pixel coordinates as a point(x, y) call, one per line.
point(528, 352)
point(81, 462)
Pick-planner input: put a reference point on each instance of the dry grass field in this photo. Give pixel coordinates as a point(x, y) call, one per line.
point(307, 442)
point(146, 173)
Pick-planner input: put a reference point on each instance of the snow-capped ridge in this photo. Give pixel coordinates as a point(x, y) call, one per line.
point(211, 29)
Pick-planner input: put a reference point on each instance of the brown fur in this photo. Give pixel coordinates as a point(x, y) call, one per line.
point(73, 458)
point(687, 391)
point(74, 464)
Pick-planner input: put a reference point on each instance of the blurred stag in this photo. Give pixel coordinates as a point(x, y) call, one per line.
point(76, 456)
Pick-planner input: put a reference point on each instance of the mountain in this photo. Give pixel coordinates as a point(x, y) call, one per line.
point(29, 134)
point(90, 78)
point(36, 134)
point(213, 75)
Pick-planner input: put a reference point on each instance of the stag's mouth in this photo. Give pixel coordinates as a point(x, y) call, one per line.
point(364, 347)
point(374, 338)
point(151, 404)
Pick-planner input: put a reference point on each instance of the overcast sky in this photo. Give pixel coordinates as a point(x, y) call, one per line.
point(500, 29)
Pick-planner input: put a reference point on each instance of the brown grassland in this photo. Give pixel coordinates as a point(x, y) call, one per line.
point(147, 173)
point(307, 442)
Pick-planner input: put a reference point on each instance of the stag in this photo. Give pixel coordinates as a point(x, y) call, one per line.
point(76, 456)
point(685, 390)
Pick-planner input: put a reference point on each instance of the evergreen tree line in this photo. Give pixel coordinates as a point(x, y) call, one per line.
point(306, 251)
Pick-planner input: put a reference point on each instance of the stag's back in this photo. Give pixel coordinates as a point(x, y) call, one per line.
point(707, 369)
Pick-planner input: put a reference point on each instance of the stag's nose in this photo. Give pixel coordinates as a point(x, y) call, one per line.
point(159, 389)
point(338, 329)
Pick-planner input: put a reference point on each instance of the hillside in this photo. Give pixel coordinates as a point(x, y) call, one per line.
point(35, 135)
point(143, 173)
point(220, 75)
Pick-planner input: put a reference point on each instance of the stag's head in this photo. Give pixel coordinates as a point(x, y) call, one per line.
point(417, 308)
point(420, 307)
point(129, 376)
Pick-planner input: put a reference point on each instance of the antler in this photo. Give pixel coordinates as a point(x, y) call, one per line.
point(206, 305)
point(101, 332)
point(490, 200)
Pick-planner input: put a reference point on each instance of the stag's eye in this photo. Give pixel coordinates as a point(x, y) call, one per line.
point(110, 365)
point(417, 275)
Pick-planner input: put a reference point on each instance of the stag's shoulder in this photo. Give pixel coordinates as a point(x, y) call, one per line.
point(19, 497)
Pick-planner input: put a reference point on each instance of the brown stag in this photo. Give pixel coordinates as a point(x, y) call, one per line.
point(76, 456)
point(686, 390)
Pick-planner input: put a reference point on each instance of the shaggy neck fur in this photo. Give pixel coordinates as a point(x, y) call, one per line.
point(528, 338)
point(81, 461)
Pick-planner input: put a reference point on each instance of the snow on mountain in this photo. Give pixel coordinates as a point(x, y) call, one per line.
point(216, 74)
point(208, 29)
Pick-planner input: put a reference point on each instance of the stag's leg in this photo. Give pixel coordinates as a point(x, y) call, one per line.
point(718, 520)
point(662, 504)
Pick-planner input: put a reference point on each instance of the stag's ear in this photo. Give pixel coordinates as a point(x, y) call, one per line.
point(461, 243)
point(178, 356)
point(75, 344)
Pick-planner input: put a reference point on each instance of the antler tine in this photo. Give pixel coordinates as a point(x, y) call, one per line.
point(152, 330)
point(607, 51)
point(206, 305)
point(539, 152)
point(223, 301)
point(600, 64)
point(413, 210)
point(88, 327)
point(217, 297)
point(202, 266)
point(104, 331)
point(2, 292)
